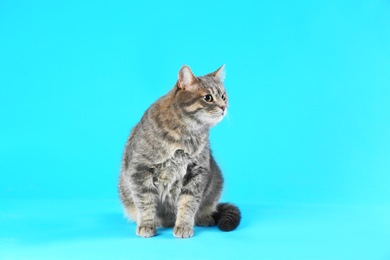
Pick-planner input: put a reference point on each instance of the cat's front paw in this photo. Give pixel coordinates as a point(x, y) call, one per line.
point(183, 232)
point(146, 231)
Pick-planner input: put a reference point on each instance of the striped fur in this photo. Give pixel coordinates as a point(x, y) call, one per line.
point(169, 177)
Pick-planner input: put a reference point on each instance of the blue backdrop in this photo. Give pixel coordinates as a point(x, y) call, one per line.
point(308, 82)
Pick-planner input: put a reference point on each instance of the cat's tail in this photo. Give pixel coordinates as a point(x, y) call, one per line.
point(227, 216)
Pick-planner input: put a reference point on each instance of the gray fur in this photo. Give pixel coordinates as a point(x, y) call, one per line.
point(169, 177)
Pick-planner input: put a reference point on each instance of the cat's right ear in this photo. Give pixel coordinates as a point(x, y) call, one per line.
point(185, 78)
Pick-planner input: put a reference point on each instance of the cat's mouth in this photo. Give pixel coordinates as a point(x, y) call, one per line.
point(222, 112)
point(213, 117)
point(219, 115)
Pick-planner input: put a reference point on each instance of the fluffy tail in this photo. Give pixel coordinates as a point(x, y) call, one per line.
point(227, 216)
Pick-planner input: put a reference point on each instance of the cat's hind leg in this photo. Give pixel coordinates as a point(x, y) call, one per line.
point(204, 217)
point(130, 210)
point(128, 204)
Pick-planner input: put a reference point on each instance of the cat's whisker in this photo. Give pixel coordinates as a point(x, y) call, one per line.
point(228, 119)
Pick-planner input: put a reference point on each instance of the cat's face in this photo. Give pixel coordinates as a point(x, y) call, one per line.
point(202, 98)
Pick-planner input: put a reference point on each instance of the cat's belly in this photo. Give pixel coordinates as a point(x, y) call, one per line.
point(169, 183)
point(166, 213)
point(169, 176)
point(167, 203)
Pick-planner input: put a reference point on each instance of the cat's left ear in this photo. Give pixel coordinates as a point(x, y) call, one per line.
point(220, 73)
point(185, 78)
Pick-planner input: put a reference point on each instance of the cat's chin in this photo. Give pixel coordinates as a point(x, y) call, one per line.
point(212, 120)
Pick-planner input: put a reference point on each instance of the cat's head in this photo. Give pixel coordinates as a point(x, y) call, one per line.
point(202, 98)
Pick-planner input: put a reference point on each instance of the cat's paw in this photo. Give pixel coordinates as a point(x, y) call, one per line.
point(183, 232)
point(146, 231)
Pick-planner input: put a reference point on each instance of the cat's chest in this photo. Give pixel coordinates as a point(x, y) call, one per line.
point(179, 155)
point(169, 175)
point(184, 150)
point(175, 166)
point(189, 148)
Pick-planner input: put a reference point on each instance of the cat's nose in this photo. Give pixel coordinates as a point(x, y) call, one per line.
point(223, 108)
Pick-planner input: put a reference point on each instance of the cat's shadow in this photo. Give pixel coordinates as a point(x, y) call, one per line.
point(103, 226)
point(74, 224)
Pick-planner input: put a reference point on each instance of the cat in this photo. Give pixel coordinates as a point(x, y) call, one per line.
point(169, 177)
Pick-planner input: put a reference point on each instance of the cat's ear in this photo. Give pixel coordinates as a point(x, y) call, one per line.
point(185, 78)
point(220, 73)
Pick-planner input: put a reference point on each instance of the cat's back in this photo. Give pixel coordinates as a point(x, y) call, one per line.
point(157, 118)
point(157, 134)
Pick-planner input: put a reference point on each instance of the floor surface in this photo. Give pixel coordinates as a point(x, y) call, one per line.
point(96, 229)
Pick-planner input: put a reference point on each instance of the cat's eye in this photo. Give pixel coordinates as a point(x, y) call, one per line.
point(208, 98)
point(223, 97)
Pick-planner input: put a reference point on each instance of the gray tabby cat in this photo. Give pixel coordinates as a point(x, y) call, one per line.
point(169, 177)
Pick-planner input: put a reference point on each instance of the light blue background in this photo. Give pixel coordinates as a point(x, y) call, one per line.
point(305, 148)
